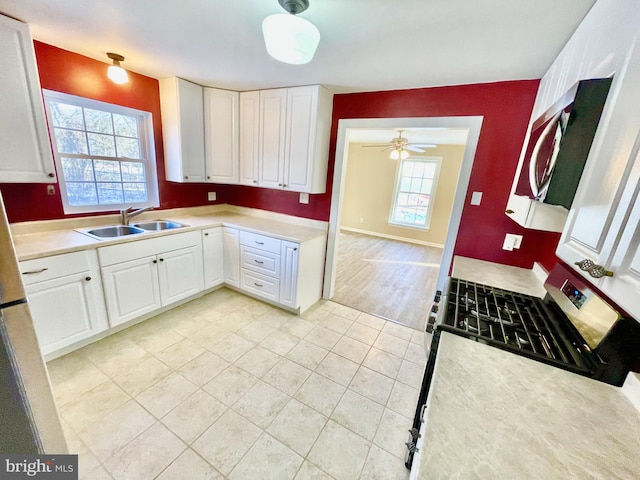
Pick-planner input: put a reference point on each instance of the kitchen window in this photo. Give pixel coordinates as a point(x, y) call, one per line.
point(414, 193)
point(104, 154)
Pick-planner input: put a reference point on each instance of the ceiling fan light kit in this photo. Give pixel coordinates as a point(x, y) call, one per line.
point(288, 38)
point(401, 147)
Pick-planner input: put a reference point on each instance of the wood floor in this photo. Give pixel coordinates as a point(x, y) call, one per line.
point(388, 278)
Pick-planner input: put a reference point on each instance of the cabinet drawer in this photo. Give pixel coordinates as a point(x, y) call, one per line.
point(259, 284)
point(125, 252)
point(41, 269)
point(261, 242)
point(260, 261)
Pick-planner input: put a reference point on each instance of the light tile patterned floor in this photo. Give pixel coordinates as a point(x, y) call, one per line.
point(227, 387)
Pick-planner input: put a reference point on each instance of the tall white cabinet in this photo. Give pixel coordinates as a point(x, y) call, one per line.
point(183, 130)
point(249, 137)
point(25, 151)
point(221, 135)
point(603, 221)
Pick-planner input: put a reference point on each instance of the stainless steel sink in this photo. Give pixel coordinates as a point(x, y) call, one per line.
point(155, 225)
point(113, 231)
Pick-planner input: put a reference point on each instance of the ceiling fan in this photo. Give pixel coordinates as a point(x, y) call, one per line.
point(400, 147)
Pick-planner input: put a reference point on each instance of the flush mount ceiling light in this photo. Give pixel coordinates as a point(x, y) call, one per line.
point(116, 73)
point(288, 38)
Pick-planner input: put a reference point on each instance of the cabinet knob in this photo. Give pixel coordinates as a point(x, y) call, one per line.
point(509, 211)
point(284, 186)
point(208, 177)
point(280, 185)
point(206, 234)
point(255, 181)
point(593, 269)
point(51, 175)
point(155, 261)
point(162, 259)
point(88, 279)
point(186, 177)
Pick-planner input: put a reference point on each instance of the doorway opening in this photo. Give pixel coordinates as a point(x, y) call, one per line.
point(354, 237)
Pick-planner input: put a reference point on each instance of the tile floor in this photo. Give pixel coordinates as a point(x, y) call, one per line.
point(227, 387)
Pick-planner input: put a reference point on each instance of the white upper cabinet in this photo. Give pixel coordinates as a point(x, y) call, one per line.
point(273, 121)
point(293, 140)
point(249, 137)
point(603, 221)
point(221, 135)
point(25, 151)
point(183, 130)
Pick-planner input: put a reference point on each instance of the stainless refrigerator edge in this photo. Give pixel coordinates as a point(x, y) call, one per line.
point(29, 421)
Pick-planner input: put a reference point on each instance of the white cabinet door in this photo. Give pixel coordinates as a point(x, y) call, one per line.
point(182, 130)
point(25, 151)
point(131, 289)
point(180, 273)
point(302, 105)
point(249, 137)
point(273, 110)
point(289, 274)
point(231, 242)
point(64, 310)
point(213, 255)
point(221, 135)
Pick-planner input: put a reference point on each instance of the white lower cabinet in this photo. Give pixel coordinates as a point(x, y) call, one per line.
point(213, 257)
point(136, 283)
point(65, 298)
point(231, 248)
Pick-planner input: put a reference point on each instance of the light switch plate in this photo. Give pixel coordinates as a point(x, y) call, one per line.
point(476, 198)
point(304, 198)
point(211, 196)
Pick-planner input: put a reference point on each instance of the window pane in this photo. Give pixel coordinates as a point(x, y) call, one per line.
point(418, 170)
point(430, 170)
point(77, 169)
point(403, 198)
point(125, 125)
point(413, 199)
point(135, 192)
point(132, 172)
point(98, 121)
point(407, 169)
point(110, 193)
point(70, 141)
point(421, 216)
point(405, 184)
point(128, 147)
point(102, 145)
point(427, 185)
point(107, 170)
point(416, 184)
point(423, 200)
point(67, 116)
point(80, 194)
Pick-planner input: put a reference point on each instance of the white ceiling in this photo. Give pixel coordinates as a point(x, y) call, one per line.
point(365, 45)
point(439, 136)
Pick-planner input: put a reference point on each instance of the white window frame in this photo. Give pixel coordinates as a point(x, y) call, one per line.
point(438, 162)
point(147, 151)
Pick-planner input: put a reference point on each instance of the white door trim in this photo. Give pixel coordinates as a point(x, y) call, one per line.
point(473, 124)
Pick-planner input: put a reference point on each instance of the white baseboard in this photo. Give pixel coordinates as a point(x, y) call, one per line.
point(393, 237)
point(631, 389)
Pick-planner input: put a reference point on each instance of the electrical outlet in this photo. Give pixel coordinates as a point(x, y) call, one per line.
point(211, 196)
point(511, 242)
point(476, 198)
point(304, 198)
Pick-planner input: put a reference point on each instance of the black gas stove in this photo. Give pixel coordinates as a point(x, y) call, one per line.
point(519, 323)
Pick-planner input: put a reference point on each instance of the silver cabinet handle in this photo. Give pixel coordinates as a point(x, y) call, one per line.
point(259, 243)
point(593, 269)
point(31, 272)
point(260, 262)
point(258, 285)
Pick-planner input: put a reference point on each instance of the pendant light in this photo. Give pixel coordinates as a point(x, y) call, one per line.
point(288, 38)
point(115, 72)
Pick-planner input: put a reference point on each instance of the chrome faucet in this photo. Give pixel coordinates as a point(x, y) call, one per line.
point(127, 214)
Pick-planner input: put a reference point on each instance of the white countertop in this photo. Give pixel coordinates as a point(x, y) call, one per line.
point(495, 415)
point(41, 239)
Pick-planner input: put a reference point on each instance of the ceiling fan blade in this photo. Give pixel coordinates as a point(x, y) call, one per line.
point(424, 145)
point(413, 148)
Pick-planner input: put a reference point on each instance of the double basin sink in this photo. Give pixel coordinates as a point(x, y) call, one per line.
point(116, 231)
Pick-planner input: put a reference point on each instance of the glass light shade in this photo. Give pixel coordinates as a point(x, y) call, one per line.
point(394, 155)
point(404, 154)
point(117, 74)
point(290, 39)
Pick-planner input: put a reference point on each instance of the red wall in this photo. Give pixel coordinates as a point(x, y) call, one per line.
point(505, 106)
